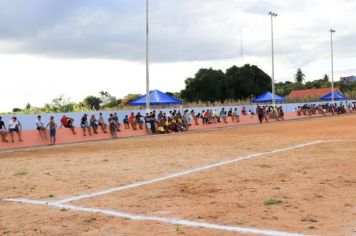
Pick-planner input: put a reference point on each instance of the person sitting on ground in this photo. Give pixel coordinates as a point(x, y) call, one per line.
point(3, 131)
point(126, 122)
point(132, 121)
point(15, 127)
point(138, 120)
point(52, 130)
point(101, 123)
point(113, 126)
point(67, 122)
point(93, 124)
point(85, 125)
point(40, 127)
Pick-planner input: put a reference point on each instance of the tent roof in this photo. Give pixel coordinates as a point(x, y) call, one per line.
point(337, 96)
point(267, 97)
point(157, 98)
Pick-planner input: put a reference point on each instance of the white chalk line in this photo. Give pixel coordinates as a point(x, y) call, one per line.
point(187, 172)
point(174, 221)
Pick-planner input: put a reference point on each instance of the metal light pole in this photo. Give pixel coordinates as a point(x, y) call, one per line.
point(272, 14)
point(147, 61)
point(332, 65)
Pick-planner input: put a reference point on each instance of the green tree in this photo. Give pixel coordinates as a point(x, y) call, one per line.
point(129, 98)
point(326, 78)
point(206, 86)
point(28, 106)
point(299, 76)
point(92, 102)
point(244, 82)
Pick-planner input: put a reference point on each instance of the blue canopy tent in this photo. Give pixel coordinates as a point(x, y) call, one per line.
point(337, 96)
point(157, 98)
point(267, 97)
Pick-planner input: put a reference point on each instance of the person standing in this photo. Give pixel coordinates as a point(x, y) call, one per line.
point(3, 131)
point(52, 130)
point(113, 126)
point(15, 127)
point(260, 113)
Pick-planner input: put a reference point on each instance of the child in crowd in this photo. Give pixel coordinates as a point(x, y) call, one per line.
point(85, 125)
point(52, 130)
point(15, 127)
point(40, 127)
point(126, 122)
point(132, 121)
point(113, 126)
point(195, 118)
point(93, 124)
point(3, 131)
point(67, 122)
point(101, 123)
point(116, 117)
point(138, 120)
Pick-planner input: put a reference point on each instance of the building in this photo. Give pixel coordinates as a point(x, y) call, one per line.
point(311, 93)
point(348, 79)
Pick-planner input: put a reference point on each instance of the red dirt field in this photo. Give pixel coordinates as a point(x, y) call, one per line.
point(314, 186)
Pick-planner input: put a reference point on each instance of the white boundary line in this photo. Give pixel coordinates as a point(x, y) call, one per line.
point(175, 221)
point(179, 174)
point(60, 204)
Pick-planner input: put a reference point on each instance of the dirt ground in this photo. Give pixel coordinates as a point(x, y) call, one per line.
point(315, 186)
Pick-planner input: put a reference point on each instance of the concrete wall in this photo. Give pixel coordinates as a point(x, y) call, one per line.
point(28, 121)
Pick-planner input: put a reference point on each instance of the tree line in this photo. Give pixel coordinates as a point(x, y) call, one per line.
point(208, 85)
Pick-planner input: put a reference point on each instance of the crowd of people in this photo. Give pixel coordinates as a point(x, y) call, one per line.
point(161, 122)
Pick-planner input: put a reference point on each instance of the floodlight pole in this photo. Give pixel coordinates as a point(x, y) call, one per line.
point(147, 61)
point(332, 65)
point(272, 14)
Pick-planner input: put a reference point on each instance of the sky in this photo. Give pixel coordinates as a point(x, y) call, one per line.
point(77, 48)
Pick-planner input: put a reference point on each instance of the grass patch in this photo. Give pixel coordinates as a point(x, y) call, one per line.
point(277, 188)
point(270, 202)
point(179, 229)
point(240, 205)
point(21, 173)
point(50, 195)
point(264, 166)
point(90, 220)
point(63, 209)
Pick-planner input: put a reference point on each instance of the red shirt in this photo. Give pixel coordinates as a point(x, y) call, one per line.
point(132, 118)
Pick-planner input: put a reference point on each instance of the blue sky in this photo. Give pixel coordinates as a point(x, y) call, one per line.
point(99, 45)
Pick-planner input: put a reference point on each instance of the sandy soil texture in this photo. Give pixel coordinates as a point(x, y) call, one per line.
point(314, 188)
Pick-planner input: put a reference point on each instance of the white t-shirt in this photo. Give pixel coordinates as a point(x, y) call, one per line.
point(12, 124)
point(39, 123)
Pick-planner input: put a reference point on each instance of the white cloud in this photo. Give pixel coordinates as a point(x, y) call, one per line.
point(85, 46)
